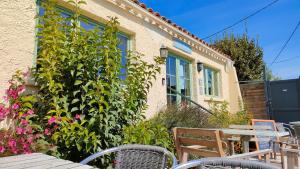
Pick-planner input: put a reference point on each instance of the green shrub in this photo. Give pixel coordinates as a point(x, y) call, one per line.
point(175, 116)
point(81, 96)
point(148, 133)
point(222, 118)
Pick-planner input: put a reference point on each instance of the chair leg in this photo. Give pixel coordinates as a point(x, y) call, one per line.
point(232, 147)
point(290, 160)
point(267, 158)
point(184, 157)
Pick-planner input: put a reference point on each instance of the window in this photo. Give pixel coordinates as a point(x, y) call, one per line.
point(124, 40)
point(178, 80)
point(89, 24)
point(211, 82)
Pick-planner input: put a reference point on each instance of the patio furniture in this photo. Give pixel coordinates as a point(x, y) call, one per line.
point(38, 161)
point(246, 135)
point(207, 143)
point(220, 163)
point(283, 127)
point(245, 139)
point(138, 156)
point(292, 158)
point(295, 126)
point(197, 141)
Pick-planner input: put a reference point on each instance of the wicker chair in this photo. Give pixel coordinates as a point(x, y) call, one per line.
point(138, 156)
point(224, 163)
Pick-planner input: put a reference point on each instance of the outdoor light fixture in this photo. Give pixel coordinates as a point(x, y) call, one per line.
point(163, 52)
point(199, 66)
point(163, 81)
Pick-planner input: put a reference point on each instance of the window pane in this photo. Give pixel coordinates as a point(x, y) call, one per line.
point(216, 83)
point(173, 84)
point(41, 11)
point(173, 99)
point(123, 46)
point(211, 82)
point(171, 66)
point(184, 69)
point(87, 25)
point(182, 78)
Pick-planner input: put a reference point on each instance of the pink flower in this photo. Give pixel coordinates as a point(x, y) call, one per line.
point(5, 98)
point(20, 130)
point(21, 89)
point(30, 139)
point(2, 149)
point(12, 93)
point(3, 112)
point(24, 122)
point(12, 143)
point(51, 120)
point(29, 130)
point(14, 150)
point(30, 112)
point(27, 73)
point(15, 106)
point(47, 132)
point(77, 116)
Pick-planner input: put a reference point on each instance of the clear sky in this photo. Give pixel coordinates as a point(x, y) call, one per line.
point(272, 26)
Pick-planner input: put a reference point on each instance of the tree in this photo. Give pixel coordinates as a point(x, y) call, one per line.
point(246, 54)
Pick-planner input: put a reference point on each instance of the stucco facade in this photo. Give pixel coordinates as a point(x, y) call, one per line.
point(147, 34)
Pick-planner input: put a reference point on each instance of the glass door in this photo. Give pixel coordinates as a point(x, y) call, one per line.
point(178, 80)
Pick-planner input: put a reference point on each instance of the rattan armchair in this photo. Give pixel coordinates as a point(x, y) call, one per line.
point(138, 157)
point(224, 163)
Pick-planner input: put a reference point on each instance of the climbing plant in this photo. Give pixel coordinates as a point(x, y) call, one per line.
point(84, 102)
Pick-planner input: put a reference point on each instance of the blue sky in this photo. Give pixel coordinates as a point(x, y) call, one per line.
point(272, 26)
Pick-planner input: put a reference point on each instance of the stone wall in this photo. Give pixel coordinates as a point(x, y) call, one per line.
point(254, 98)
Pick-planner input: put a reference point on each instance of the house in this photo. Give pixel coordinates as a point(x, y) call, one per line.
point(193, 68)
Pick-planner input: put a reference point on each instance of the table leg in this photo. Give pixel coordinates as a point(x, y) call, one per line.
point(245, 140)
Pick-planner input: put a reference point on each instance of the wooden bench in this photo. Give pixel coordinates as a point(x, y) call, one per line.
point(207, 143)
point(197, 141)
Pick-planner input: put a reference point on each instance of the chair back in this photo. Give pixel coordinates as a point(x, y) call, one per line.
point(224, 163)
point(263, 142)
point(296, 127)
point(198, 141)
point(138, 156)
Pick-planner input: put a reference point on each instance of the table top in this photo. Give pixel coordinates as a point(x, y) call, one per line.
point(38, 161)
point(255, 132)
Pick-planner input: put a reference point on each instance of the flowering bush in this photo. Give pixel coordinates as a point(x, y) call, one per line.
point(23, 134)
point(81, 94)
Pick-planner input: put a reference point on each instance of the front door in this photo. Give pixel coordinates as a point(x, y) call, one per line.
point(178, 80)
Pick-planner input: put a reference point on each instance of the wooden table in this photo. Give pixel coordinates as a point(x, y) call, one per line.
point(38, 161)
point(246, 135)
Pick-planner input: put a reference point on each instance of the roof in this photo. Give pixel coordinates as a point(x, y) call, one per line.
point(157, 14)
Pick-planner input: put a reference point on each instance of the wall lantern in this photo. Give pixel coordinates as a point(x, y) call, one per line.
point(163, 52)
point(163, 81)
point(199, 66)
